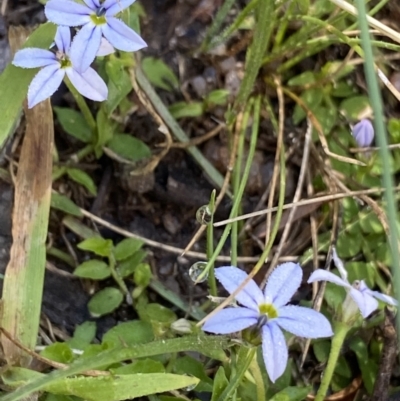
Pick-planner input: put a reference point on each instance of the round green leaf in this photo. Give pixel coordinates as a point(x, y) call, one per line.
point(93, 269)
point(97, 245)
point(105, 301)
point(159, 313)
point(129, 334)
point(128, 147)
point(82, 178)
point(127, 247)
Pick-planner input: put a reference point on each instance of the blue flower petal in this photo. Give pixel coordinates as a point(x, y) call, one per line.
point(88, 84)
point(230, 320)
point(68, 13)
point(283, 283)
point(85, 47)
point(93, 4)
point(63, 39)
point(365, 302)
point(382, 297)
point(303, 322)
point(105, 48)
point(33, 58)
point(231, 277)
point(115, 6)
point(323, 275)
point(121, 36)
point(274, 350)
point(363, 133)
point(44, 84)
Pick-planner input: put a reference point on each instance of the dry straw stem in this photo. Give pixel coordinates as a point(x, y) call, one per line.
point(385, 30)
point(317, 199)
point(23, 280)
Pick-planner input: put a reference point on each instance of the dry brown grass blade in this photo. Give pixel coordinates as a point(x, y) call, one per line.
point(23, 281)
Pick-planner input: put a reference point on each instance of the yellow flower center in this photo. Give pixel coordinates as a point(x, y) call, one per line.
point(65, 62)
point(268, 310)
point(98, 19)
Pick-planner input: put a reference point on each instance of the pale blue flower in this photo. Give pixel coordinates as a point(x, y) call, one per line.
point(364, 298)
point(55, 67)
point(97, 19)
point(363, 132)
point(268, 311)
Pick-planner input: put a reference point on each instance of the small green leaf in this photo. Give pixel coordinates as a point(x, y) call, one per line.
point(93, 269)
point(159, 74)
point(220, 384)
point(217, 97)
point(334, 296)
point(368, 367)
point(97, 245)
point(158, 313)
point(59, 352)
point(84, 334)
point(142, 275)
point(343, 89)
point(126, 248)
point(321, 350)
point(190, 366)
point(337, 69)
point(361, 271)
point(105, 130)
point(74, 124)
point(130, 265)
point(370, 223)
point(312, 98)
point(327, 116)
point(394, 130)
point(304, 78)
point(292, 394)
point(82, 178)
point(349, 245)
point(105, 301)
point(355, 107)
point(63, 203)
point(183, 109)
point(129, 334)
point(119, 85)
point(128, 147)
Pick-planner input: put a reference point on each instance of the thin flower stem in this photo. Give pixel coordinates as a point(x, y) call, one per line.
point(118, 279)
point(253, 142)
point(87, 114)
point(210, 246)
point(236, 179)
point(341, 330)
point(241, 370)
point(381, 136)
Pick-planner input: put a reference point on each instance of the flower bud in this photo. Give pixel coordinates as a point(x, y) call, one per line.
point(363, 133)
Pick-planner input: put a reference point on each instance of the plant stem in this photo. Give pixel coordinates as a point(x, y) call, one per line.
point(387, 178)
point(242, 367)
point(341, 330)
point(87, 114)
point(118, 279)
point(210, 246)
point(236, 179)
point(238, 197)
